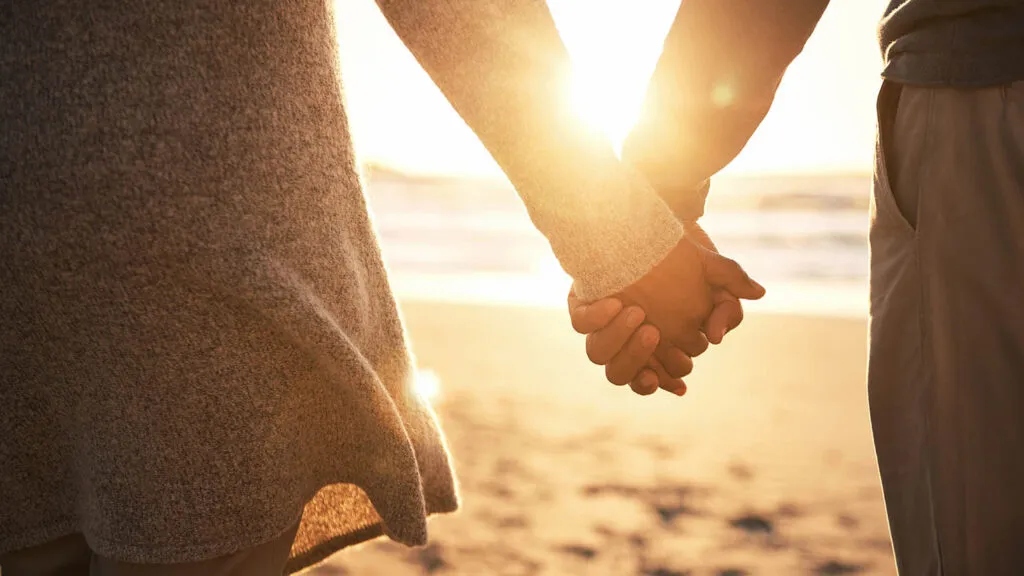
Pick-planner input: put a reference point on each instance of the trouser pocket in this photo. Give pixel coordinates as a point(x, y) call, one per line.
point(895, 193)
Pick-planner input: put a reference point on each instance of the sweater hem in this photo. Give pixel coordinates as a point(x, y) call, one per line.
point(38, 536)
point(637, 251)
point(196, 553)
point(328, 548)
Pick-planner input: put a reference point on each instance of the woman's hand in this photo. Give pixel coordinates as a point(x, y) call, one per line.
point(618, 340)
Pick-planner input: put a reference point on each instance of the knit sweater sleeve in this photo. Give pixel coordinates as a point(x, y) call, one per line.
point(716, 79)
point(503, 67)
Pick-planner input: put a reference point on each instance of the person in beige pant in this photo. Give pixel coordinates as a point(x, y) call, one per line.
point(946, 362)
point(946, 368)
point(946, 365)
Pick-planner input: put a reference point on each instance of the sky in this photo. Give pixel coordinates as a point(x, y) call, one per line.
point(822, 120)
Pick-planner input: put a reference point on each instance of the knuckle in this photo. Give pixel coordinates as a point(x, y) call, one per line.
point(642, 390)
point(697, 348)
point(676, 369)
point(637, 348)
point(574, 319)
point(580, 326)
point(730, 262)
point(700, 347)
point(680, 370)
point(686, 368)
point(616, 375)
point(737, 318)
point(595, 352)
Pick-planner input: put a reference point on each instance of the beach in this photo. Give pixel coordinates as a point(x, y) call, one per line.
point(764, 467)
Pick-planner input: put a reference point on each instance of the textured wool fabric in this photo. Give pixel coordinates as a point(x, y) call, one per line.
point(197, 335)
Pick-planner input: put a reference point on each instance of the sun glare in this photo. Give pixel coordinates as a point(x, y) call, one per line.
point(611, 107)
point(614, 46)
point(428, 385)
point(822, 119)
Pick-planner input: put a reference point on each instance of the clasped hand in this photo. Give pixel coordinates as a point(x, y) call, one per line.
point(648, 334)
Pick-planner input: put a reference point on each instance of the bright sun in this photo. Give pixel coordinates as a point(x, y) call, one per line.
point(822, 119)
point(614, 46)
point(611, 107)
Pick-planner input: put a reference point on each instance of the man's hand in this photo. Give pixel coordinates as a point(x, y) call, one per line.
point(727, 312)
point(703, 283)
point(679, 294)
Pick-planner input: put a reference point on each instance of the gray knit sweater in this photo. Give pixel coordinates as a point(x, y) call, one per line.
point(198, 343)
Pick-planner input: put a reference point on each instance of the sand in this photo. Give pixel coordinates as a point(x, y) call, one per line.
point(765, 467)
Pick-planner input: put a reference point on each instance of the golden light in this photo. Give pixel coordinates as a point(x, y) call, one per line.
point(723, 95)
point(611, 107)
point(427, 385)
point(614, 46)
point(823, 117)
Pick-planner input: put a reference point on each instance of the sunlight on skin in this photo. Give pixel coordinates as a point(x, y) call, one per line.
point(822, 120)
point(723, 95)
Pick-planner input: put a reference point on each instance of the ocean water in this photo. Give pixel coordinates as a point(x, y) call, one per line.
point(803, 237)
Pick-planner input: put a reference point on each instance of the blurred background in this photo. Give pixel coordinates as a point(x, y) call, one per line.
point(766, 466)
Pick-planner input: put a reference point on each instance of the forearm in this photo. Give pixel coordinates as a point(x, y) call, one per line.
point(714, 83)
point(504, 69)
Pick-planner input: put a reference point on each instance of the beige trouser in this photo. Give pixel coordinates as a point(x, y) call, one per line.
point(946, 371)
point(71, 556)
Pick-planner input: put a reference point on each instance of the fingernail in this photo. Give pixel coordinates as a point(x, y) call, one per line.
point(649, 337)
point(634, 317)
point(722, 333)
point(582, 309)
point(649, 382)
point(678, 387)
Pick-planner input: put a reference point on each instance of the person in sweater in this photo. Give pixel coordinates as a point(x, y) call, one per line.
point(946, 361)
point(202, 367)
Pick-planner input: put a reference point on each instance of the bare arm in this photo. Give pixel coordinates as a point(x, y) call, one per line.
point(714, 83)
point(503, 67)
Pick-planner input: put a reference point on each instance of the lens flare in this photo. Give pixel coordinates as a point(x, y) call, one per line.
point(428, 385)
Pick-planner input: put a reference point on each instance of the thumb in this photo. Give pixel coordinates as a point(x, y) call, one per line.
point(722, 272)
point(725, 316)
